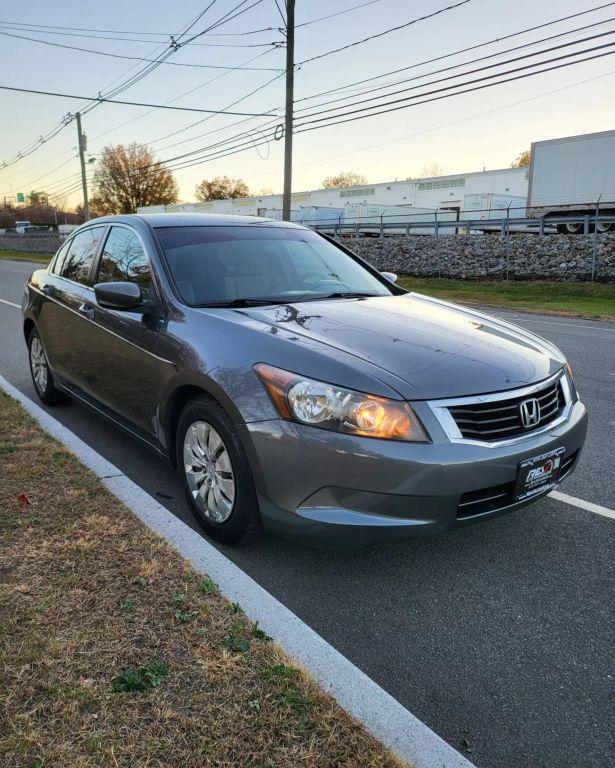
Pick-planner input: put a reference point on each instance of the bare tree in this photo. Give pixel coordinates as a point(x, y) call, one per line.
point(432, 169)
point(344, 179)
point(129, 176)
point(522, 160)
point(221, 188)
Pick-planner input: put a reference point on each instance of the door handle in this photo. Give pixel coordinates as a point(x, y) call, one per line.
point(87, 310)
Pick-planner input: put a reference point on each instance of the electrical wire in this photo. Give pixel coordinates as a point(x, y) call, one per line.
point(476, 70)
point(12, 30)
point(130, 31)
point(186, 93)
point(143, 72)
point(462, 50)
point(458, 93)
point(471, 61)
point(385, 32)
point(102, 100)
point(218, 153)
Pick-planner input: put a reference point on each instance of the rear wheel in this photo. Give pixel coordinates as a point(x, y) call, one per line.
point(216, 474)
point(570, 228)
point(42, 379)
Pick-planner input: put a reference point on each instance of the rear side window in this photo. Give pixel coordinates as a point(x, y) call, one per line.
point(123, 259)
point(57, 262)
point(80, 254)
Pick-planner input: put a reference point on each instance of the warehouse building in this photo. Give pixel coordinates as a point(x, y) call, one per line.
point(474, 193)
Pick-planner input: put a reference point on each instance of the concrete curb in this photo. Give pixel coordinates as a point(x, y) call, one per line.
point(359, 695)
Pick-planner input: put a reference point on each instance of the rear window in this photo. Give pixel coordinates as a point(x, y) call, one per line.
point(218, 264)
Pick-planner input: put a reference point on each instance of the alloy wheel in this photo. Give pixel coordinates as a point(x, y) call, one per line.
point(38, 361)
point(209, 472)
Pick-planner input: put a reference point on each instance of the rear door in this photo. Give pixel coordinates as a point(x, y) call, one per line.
point(63, 322)
point(121, 367)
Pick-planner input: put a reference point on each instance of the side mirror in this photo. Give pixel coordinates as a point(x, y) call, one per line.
point(119, 295)
point(390, 276)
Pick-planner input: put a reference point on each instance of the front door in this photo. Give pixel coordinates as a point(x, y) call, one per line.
point(122, 368)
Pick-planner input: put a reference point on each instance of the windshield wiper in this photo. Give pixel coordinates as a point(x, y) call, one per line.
point(347, 295)
point(245, 302)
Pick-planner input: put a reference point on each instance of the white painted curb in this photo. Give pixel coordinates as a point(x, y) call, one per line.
point(382, 715)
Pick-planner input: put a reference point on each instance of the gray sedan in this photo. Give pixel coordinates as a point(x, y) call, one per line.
point(293, 385)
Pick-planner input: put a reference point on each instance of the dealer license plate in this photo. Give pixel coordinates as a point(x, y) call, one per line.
point(538, 474)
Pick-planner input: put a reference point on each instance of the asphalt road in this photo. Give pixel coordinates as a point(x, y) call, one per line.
point(500, 636)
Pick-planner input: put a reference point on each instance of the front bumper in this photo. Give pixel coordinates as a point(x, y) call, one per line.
point(335, 490)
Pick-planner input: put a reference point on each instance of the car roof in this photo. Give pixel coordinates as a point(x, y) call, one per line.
point(158, 220)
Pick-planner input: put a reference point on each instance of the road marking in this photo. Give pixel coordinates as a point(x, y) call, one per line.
point(573, 325)
point(10, 303)
point(353, 690)
point(582, 504)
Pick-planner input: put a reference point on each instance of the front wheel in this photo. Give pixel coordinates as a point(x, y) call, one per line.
point(216, 474)
point(42, 379)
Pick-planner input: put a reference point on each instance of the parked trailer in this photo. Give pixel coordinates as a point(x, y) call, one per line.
point(368, 220)
point(573, 177)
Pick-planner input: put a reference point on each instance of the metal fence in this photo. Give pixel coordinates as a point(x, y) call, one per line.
point(382, 225)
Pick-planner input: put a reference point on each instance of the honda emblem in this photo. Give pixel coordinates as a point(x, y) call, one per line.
point(530, 412)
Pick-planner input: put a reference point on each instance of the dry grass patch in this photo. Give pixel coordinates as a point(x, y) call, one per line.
point(113, 652)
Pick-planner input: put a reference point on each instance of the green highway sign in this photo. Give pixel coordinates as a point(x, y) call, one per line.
point(21, 198)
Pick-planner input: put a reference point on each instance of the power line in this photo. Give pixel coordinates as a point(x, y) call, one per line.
point(465, 63)
point(246, 134)
point(15, 29)
point(458, 93)
point(125, 56)
point(102, 100)
point(131, 31)
point(471, 72)
point(186, 93)
point(463, 50)
point(385, 32)
point(139, 75)
point(337, 13)
point(219, 153)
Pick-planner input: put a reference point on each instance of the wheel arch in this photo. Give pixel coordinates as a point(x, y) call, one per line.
point(177, 400)
point(28, 325)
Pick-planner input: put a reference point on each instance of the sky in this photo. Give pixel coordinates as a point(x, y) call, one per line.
point(485, 129)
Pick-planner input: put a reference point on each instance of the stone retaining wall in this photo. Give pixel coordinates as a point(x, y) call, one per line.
point(37, 242)
point(519, 257)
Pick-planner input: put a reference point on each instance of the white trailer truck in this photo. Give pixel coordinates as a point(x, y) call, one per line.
point(572, 177)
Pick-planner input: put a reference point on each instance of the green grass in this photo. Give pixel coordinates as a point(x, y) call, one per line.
point(593, 300)
point(39, 258)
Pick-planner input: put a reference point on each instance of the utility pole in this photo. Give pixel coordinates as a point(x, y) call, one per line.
point(82, 140)
point(288, 123)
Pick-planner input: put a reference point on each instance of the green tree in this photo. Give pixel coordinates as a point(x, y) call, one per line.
point(129, 176)
point(221, 188)
point(344, 179)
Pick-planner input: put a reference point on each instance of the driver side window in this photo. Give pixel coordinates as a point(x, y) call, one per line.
point(124, 260)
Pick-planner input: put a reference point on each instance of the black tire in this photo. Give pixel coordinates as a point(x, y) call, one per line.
point(42, 378)
point(571, 228)
point(244, 522)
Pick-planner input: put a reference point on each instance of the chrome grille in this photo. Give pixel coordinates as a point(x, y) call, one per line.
point(501, 419)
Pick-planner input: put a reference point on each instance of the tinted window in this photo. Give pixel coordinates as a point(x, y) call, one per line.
point(123, 259)
point(222, 264)
point(57, 264)
point(80, 254)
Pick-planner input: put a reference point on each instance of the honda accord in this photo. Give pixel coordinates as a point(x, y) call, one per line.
point(293, 385)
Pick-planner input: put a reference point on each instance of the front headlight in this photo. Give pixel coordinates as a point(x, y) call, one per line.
point(323, 405)
point(573, 388)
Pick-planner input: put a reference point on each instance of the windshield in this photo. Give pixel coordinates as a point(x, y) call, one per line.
point(224, 265)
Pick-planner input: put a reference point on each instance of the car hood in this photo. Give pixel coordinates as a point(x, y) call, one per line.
point(426, 348)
